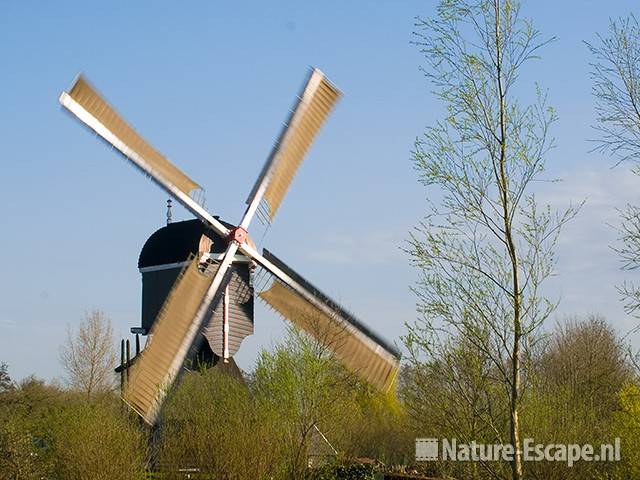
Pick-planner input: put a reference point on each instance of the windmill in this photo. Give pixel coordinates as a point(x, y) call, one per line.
point(202, 287)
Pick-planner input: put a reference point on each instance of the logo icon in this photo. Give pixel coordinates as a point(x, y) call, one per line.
point(426, 449)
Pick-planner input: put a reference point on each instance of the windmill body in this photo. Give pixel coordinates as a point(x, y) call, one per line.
point(211, 292)
point(165, 253)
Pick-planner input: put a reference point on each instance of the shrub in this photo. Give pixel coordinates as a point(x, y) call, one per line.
point(95, 441)
point(210, 423)
point(343, 471)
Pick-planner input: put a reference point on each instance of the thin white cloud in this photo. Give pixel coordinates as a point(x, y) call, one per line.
point(376, 247)
point(588, 267)
point(6, 322)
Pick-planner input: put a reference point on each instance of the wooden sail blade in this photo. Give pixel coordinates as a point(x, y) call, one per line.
point(172, 335)
point(91, 108)
point(158, 364)
point(352, 343)
point(86, 104)
point(314, 104)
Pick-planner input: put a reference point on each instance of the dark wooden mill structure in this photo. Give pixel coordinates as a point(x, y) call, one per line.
point(165, 253)
point(199, 276)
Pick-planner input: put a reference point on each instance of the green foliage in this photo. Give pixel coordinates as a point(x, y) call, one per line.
point(299, 404)
point(454, 395)
point(308, 391)
point(215, 426)
point(626, 426)
point(97, 440)
point(46, 431)
point(574, 395)
point(379, 428)
point(558, 416)
point(20, 456)
point(211, 424)
point(343, 471)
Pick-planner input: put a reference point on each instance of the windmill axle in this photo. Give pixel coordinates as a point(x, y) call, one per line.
point(238, 235)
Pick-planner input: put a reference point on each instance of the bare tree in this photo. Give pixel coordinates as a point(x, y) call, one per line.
point(616, 76)
point(616, 88)
point(486, 246)
point(6, 383)
point(586, 357)
point(89, 355)
point(580, 377)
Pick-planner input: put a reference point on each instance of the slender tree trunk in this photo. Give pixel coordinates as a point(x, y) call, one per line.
point(503, 182)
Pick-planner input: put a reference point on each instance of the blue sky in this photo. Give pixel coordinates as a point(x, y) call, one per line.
point(209, 84)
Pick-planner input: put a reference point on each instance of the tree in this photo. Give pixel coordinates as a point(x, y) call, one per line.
point(211, 423)
point(308, 391)
point(6, 383)
point(616, 88)
point(578, 377)
point(89, 356)
point(587, 357)
point(487, 246)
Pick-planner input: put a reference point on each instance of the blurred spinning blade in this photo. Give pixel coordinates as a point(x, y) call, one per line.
point(354, 345)
point(314, 104)
point(97, 114)
point(172, 334)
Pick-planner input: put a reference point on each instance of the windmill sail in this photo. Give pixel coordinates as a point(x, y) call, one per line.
point(314, 104)
point(94, 111)
point(356, 346)
point(120, 134)
point(159, 363)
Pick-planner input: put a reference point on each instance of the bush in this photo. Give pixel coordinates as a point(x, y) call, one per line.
point(210, 424)
point(20, 456)
point(343, 471)
point(379, 429)
point(626, 426)
point(307, 391)
point(24, 414)
point(97, 440)
point(46, 432)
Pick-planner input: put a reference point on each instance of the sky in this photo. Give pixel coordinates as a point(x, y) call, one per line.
point(209, 85)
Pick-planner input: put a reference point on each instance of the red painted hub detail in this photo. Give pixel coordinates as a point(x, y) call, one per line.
point(239, 235)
